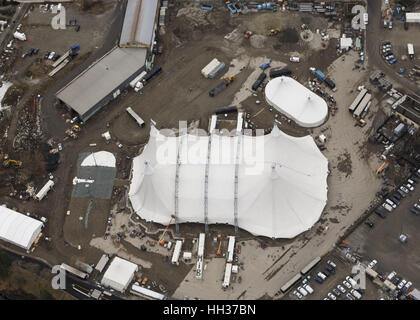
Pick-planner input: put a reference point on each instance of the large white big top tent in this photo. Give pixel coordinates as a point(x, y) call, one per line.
point(17, 228)
point(119, 274)
point(296, 101)
point(280, 189)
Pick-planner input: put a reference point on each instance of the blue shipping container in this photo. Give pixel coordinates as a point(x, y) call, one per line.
point(320, 75)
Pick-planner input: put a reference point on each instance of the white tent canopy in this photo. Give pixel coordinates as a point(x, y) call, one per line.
point(17, 228)
point(281, 189)
point(296, 101)
point(119, 274)
point(99, 159)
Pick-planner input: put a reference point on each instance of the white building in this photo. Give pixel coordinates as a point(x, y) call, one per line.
point(297, 102)
point(281, 187)
point(119, 274)
point(18, 229)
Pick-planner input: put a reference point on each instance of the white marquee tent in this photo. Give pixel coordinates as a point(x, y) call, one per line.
point(17, 228)
point(119, 274)
point(296, 101)
point(281, 185)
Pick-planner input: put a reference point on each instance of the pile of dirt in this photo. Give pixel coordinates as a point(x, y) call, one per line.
point(195, 16)
point(258, 41)
point(345, 164)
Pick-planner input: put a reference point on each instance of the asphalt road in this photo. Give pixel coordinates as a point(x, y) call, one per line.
point(374, 37)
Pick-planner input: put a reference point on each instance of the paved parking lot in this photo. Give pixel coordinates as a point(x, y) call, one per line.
point(381, 242)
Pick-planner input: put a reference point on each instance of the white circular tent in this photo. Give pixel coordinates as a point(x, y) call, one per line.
point(296, 101)
point(281, 187)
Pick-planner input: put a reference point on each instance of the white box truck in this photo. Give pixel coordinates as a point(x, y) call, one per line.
point(410, 49)
point(365, 18)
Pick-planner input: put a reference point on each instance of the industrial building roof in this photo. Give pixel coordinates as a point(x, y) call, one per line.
point(281, 181)
point(139, 21)
point(119, 274)
point(18, 228)
point(101, 78)
point(296, 101)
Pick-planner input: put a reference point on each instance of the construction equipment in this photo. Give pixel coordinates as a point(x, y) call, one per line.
point(10, 163)
point(382, 167)
point(161, 240)
point(144, 281)
point(360, 123)
point(274, 32)
point(219, 250)
point(221, 86)
point(248, 34)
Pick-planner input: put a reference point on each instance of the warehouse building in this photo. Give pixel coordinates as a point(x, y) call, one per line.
point(103, 81)
point(140, 23)
point(119, 274)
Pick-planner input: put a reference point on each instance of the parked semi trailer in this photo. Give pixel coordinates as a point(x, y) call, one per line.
point(259, 81)
point(279, 73)
point(221, 86)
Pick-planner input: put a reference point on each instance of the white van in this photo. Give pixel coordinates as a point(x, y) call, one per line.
point(169, 245)
point(294, 59)
point(356, 294)
point(387, 207)
point(351, 281)
point(322, 276)
point(308, 288)
point(302, 291)
point(392, 204)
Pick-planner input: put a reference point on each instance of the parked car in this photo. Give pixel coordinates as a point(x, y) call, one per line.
point(372, 263)
point(402, 284)
point(410, 182)
point(341, 288)
point(336, 292)
point(389, 57)
point(407, 286)
point(331, 296)
point(308, 288)
point(404, 189)
point(392, 61)
point(417, 206)
point(416, 212)
point(302, 291)
point(297, 294)
point(319, 279)
point(369, 224)
point(397, 195)
point(326, 272)
point(394, 199)
point(391, 275)
point(346, 284)
point(332, 264)
point(356, 294)
point(349, 297)
point(402, 193)
point(392, 204)
point(409, 186)
point(60, 147)
point(380, 213)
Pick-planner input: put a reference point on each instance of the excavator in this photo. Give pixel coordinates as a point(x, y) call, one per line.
point(382, 167)
point(9, 163)
point(161, 240)
point(73, 131)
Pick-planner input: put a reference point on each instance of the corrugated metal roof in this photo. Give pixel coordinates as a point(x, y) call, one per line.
point(139, 23)
point(101, 78)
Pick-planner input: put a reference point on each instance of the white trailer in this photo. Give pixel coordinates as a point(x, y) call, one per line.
point(240, 122)
point(136, 117)
point(362, 106)
point(365, 18)
point(200, 256)
point(231, 248)
point(146, 293)
point(412, 17)
point(137, 79)
point(226, 279)
point(211, 67)
point(177, 252)
point(410, 49)
point(43, 192)
point(20, 36)
point(356, 101)
point(74, 271)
